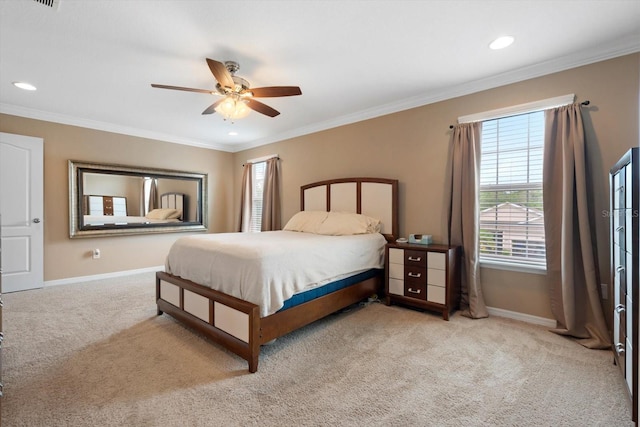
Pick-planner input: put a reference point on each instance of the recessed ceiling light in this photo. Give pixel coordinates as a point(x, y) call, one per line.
point(25, 86)
point(232, 133)
point(501, 42)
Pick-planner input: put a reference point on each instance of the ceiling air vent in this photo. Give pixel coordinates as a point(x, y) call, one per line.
point(54, 4)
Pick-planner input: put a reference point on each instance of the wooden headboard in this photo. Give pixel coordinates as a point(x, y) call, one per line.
point(374, 197)
point(175, 201)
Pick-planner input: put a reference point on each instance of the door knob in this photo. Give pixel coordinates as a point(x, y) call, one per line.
point(36, 220)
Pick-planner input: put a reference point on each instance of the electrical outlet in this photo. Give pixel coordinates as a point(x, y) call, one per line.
point(604, 288)
point(96, 253)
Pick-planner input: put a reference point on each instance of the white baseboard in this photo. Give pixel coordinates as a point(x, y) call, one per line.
point(542, 321)
point(79, 279)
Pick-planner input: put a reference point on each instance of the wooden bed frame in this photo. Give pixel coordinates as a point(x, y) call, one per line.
point(236, 324)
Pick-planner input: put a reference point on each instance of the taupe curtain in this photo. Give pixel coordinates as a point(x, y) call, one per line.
point(271, 196)
point(246, 198)
point(464, 214)
point(571, 259)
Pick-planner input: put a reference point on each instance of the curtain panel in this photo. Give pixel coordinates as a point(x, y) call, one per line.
point(153, 195)
point(464, 214)
point(271, 196)
point(246, 198)
point(571, 254)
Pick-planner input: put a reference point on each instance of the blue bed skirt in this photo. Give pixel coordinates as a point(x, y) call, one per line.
point(311, 294)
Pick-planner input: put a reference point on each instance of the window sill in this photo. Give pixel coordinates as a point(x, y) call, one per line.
point(510, 267)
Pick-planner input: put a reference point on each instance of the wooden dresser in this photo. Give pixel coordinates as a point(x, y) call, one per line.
point(105, 205)
point(625, 268)
point(423, 276)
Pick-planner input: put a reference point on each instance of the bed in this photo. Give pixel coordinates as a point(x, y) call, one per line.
point(100, 211)
point(241, 324)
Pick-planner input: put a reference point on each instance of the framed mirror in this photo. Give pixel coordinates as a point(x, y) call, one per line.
point(112, 200)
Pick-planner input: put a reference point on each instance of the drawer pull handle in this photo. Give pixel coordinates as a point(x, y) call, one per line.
point(416, 275)
point(414, 291)
point(620, 308)
point(620, 268)
point(620, 228)
point(620, 349)
point(418, 259)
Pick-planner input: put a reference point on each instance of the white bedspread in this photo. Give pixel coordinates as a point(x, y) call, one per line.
point(268, 268)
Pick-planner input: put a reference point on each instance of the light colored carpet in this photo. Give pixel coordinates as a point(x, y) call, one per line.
point(96, 354)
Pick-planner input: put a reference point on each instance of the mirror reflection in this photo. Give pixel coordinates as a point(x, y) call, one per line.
point(113, 199)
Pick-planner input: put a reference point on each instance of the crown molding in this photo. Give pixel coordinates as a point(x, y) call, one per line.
point(46, 116)
point(609, 51)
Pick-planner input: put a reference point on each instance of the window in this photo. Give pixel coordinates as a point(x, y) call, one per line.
point(511, 211)
point(146, 188)
point(257, 187)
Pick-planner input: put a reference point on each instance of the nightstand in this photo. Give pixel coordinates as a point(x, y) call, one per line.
point(423, 276)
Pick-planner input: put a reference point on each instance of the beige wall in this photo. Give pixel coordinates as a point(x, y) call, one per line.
point(413, 145)
point(67, 258)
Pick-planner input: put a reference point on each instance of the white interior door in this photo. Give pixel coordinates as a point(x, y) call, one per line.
point(21, 204)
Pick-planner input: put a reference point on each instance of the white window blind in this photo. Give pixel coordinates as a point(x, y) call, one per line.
point(511, 210)
point(257, 187)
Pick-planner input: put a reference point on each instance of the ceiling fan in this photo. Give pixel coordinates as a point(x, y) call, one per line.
point(237, 96)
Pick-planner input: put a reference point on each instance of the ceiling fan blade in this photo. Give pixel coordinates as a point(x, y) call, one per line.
point(212, 108)
point(274, 91)
point(261, 108)
point(220, 72)
point(188, 89)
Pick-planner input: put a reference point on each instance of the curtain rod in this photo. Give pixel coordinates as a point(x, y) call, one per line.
point(261, 159)
point(585, 103)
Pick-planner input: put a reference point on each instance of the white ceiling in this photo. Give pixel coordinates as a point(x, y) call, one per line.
point(93, 61)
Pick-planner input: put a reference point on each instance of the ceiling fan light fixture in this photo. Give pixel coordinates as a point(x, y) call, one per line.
point(237, 99)
point(233, 108)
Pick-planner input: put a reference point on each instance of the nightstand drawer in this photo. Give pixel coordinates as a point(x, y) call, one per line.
point(396, 256)
point(415, 258)
point(396, 286)
point(415, 274)
point(396, 271)
point(436, 277)
point(437, 260)
point(436, 294)
point(415, 290)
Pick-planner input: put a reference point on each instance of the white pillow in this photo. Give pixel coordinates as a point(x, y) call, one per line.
point(162, 213)
point(346, 224)
point(177, 214)
point(306, 221)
